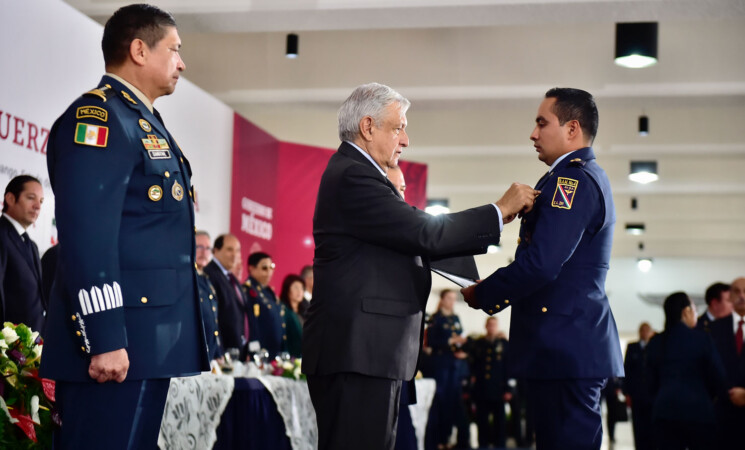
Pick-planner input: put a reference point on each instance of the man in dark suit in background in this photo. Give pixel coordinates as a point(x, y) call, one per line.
point(235, 312)
point(364, 328)
point(728, 335)
point(563, 338)
point(635, 387)
point(717, 305)
point(21, 297)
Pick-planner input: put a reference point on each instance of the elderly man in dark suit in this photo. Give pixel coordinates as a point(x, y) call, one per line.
point(21, 297)
point(563, 338)
point(728, 334)
point(364, 328)
point(635, 387)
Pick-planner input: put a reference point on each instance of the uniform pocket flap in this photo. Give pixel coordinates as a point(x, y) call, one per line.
point(389, 306)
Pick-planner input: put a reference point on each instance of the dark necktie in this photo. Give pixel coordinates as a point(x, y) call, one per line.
point(29, 248)
point(241, 300)
point(738, 337)
point(157, 116)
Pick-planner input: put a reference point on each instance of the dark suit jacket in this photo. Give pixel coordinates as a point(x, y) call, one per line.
point(369, 293)
point(685, 373)
point(703, 322)
point(634, 364)
point(561, 326)
point(231, 310)
point(21, 298)
point(723, 334)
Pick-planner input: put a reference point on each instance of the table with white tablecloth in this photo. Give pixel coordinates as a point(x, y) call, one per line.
point(195, 407)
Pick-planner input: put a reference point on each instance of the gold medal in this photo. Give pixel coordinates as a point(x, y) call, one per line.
point(155, 193)
point(145, 125)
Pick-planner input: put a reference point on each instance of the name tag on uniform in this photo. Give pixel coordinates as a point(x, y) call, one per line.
point(159, 154)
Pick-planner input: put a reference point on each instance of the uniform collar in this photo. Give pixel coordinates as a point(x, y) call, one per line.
point(138, 93)
point(584, 154)
point(19, 228)
point(121, 89)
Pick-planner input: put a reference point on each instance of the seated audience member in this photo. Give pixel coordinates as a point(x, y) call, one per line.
point(717, 305)
point(21, 297)
point(685, 373)
point(727, 334)
point(271, 313)
point(292, 297)
point(207, 296)
point(235, 313)
point(635, 387)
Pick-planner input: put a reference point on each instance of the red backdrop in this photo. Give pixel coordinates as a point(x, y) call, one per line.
point(274, 195)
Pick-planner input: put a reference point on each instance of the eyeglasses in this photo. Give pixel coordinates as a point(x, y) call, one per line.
point(203, 247)
point(270, 267)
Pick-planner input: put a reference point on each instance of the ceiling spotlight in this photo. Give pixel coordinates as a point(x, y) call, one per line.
point(636, 44)
point(292, 45)
point(643, 171)
point(437, 206)
point(635, 228)
point(643, 125)
point(644, 264)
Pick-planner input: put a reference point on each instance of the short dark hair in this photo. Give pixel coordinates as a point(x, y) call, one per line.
point(306, 270)
point(674, 305)
point(16, 186)
point(714, 292)
point(220, 241)
point(256, 257)
point(140, 21)
point(284, 294)
point(576, 104)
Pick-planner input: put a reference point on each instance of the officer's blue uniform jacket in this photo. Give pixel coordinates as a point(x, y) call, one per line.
point(561, 324)
point(208, 302)
point(270, 317)
point(124, 213)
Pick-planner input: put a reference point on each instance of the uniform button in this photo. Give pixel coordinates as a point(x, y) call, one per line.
point(497, 306)
point(506, 302)
point(284, 325)
point(74, 317)
point(216, 333)
point(214, 309)
point(78, 333)
point(82, 348)
point(167, 174)
point(518, 241)
point(544, 309)
point(491, 311)
point(195, 266)
point(181, 159)
point(143, 299)
point(211, 297)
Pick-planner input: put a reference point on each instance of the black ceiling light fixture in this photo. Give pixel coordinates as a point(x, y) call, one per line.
point(643, 171)
point(292, 46)
point(636, 44)
point(643, 125)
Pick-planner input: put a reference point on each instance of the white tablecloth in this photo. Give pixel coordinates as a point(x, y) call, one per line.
point(193, 409)
point(425, 393)
point(294, 405)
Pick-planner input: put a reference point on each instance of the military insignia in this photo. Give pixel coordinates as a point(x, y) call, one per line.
point(92, 135)
point(145, 125)
point(96, 93)
point(155, 193)
point(159, 154)
point(576, 160)
point(177, 191)
point(257, 310)
point(93, 112)
point(564, 194)
point(128, 97)
point(153, 142)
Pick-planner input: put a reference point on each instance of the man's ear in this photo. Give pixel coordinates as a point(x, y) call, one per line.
point(574, 130)
point(366, 126)
point(10, 200)
point(138, 51)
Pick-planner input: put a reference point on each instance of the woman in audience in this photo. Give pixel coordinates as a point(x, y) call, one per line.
point(293, 288)
point(685, 373)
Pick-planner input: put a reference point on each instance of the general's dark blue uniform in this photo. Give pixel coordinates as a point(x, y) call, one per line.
point(126, 277)
point(270, 317)
point(561, 327)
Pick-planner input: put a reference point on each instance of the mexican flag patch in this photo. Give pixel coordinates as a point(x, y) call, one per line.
point(92, 135)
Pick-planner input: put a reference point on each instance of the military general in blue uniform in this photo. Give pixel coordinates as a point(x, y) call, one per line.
point(269, 311)
point(563, 338)
point(124, 313)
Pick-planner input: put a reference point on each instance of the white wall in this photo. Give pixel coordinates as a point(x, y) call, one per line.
point(50, 55)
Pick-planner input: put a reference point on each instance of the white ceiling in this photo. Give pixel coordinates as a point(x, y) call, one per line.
point(475, 71)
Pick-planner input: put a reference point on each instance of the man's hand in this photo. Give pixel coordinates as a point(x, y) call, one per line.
point(110, 366)
point(518, 200)
point(469, 294)
point(737, 396)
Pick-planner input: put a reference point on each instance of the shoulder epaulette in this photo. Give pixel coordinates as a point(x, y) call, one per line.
point(577, 162)
point(104, 92)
